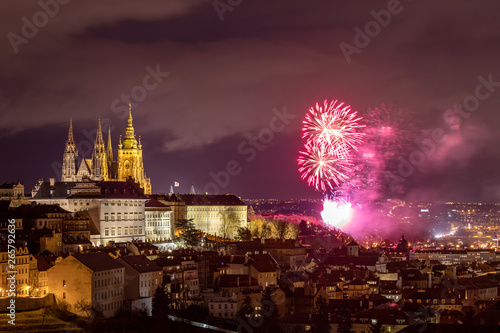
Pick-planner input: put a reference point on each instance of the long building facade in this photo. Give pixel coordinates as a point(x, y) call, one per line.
point(117, 209)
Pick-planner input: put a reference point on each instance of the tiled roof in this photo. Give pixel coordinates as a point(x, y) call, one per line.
point(141, 263)
point(42, 263)
point(98, 261)
point(210, 200)
point(352, 243)
point(384, 315)
point(126, 190)
point(264, 266)
point(481, 282)
point(169, 197)
point(152, 202)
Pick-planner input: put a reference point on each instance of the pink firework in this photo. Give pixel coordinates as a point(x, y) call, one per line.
point(331, 132)
point(336, 213)
point(323, 169)
point(333, 126)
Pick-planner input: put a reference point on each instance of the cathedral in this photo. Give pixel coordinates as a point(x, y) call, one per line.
point(101, 166)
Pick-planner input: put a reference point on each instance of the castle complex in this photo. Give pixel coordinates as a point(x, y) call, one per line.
point(101, 166)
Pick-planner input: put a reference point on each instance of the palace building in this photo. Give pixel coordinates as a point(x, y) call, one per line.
point(101, 166)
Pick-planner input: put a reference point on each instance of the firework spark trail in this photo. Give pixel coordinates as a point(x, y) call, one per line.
point(333, 127)
point(331, 132)
point(323, 169)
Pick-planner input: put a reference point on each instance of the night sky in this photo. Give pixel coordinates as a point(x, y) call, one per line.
point(231, 85)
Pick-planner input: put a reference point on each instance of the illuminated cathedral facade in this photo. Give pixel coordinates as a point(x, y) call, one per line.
point(102, 167)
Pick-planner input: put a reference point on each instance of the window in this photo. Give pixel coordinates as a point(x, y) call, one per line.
point(64, 295)
point(119, 231)
point(64, 283)
point(106, 232)
point(126, 230)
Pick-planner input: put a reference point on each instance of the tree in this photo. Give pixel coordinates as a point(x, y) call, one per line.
point(161, 303)
point(84, 306)
point(280, 229)
point(260, 228)
point(293, 231)
point(229, 222)
point(188, 235)
point(246, 307)
point(269, 311)
point(376, 327)
point(345, 323)
point(243, 234)
point(304, 228)
point(321, 322)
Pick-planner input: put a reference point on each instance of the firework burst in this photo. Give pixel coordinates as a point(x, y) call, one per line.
point(331, 132)
point(333, 126)
point(323, 169)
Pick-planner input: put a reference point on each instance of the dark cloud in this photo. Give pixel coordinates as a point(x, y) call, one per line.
point(225, 78)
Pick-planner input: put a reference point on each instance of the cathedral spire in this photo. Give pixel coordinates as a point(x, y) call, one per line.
point(110, 147)
point(129, 120)
point(98, 139)
point(70, 157)
point(99, 160)
point(129, 141)
point(70, 134)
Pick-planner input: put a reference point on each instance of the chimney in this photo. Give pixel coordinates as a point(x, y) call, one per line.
point(52, 181)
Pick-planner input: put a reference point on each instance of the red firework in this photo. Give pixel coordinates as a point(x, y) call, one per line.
point(331, 133)
point(333, 126)
point(322, 169)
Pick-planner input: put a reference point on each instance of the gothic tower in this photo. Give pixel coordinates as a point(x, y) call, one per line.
point(109, 152)
point(99, 157)
point(129, 158)
point(70, 157)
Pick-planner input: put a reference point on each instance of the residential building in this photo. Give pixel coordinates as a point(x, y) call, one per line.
point(143, 277)
point(158, 223)
point(88, 281)
point(21, 262)
point(223, 306)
